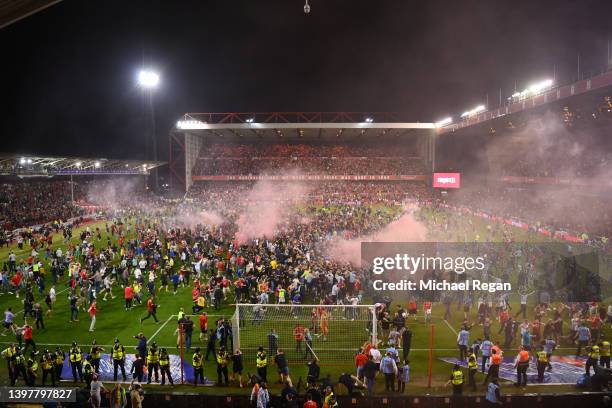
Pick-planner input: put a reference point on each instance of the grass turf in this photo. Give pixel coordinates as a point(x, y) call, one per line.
point(114, 321)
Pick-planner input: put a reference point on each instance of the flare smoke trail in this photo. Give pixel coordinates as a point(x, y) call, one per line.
point(268, 205)
point(404, 229)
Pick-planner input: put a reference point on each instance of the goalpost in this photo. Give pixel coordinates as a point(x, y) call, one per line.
point(329, 333)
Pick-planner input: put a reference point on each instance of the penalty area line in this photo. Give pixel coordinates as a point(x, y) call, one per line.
point(450, 327)
point(160, 328)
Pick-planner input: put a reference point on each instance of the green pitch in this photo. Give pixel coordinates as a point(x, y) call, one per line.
point(114, 321)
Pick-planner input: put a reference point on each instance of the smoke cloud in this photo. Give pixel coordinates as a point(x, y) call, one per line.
point(404, 229)
point(268, 205)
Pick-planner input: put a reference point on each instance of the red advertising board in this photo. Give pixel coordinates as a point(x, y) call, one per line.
point(447, 180)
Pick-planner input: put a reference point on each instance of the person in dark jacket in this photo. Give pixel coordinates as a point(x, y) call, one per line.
point(138, 368)
point(369, 372)
point(313, 372)
point(406, 342)
point(142, 345)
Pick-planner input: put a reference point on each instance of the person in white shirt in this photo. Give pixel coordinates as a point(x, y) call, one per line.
point(376, 356)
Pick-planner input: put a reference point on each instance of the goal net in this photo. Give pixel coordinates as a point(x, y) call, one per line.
point(330, 333)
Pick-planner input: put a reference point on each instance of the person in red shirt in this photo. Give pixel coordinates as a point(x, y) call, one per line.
point(151, 310)
point(16, 281)
point(596, 324)
point(309, 402)
point(129, 296)
point(203, 325)
point(298, 336)
point(412, 308)
point(29, 341)
point(427, 311)
point(535, 330)
point(92, 315)
point(360, 359)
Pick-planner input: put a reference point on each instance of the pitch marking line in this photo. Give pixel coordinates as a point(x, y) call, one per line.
point(450, 327)
point(160, 328)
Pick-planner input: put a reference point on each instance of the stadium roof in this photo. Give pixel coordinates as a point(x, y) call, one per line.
point(297, 124)
point(24, 165)
point(555, 94)
point(12, 11)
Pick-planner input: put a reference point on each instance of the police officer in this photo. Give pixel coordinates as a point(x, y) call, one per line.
point(46, 362)
point(32, 372)
point(76, 362)
point(96, 355)
point(543, 362)
point(58, 362)
point(472, 369)
point(153, 363)
point(118, 357)
point(19, 365)
point(198, 369)
point(88, 371)
point(456, 380)
point(164, 366)
point(262, 364)
point(604, 353)
point(8, 354)
point(592, 359)
point(222, 360)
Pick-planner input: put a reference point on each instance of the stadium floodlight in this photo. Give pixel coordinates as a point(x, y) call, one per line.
point(148, 79)
point(474, 111)
point(97, 164)
point(29, 161)
point(444, 122)
point(22, 160)
point(540, 86)
point(190, 124)
point(78, 164)
point(369, 120)
point(250, 120)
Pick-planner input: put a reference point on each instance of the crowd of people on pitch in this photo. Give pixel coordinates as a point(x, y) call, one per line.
point(144, 252)
point(219, 194)
point(588, 217)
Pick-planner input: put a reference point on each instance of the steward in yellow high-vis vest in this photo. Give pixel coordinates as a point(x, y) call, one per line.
point(198, 366)
point(604, 354)
point(261, 362)
point(153, 363)
point(118, 357)
point(456, 379)
point(76, 362)
point(164, 366)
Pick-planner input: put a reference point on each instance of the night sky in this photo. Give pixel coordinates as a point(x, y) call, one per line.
point(68, 83)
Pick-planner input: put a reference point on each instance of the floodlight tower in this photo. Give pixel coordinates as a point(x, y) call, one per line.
point(148, 80)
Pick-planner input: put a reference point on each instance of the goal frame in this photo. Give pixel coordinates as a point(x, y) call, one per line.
point(236, 316)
